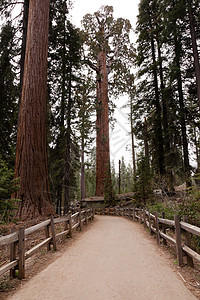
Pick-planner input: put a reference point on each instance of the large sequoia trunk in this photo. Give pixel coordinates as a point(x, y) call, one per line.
point(102, 141)
point(31, 152)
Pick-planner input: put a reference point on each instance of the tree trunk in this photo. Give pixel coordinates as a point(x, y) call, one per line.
point(158, 122)
point(102, 141)
point(164, 105)
point(196, 143)
point(23, 46)
point(146, 145)
point(119, 183)
point(166, 142)
point(195, 50)
point(82, 169)
point(68, 146)
point(31, 152)
point(182, 111)
point(132, 140)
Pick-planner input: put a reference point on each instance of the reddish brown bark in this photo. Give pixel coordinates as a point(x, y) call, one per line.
point(31, 152)
point(102, 142)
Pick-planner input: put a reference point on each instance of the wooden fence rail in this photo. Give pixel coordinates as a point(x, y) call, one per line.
point(17, 239)
point(160, 226)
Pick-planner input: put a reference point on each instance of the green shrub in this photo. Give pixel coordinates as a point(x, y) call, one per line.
point(162, 207)
point(8, 186)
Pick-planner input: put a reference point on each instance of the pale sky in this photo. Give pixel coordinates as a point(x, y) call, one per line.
point(120, 138)
point(127, 9)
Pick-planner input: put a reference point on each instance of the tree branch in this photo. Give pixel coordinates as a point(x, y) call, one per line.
point(90, 64)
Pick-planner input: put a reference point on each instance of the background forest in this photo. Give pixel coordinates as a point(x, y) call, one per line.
point(160, 74)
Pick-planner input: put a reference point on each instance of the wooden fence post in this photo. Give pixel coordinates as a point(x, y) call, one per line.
point(12, 254)
point(53, 234)
point(178, 240)
point(157, 228)
point(86, 217)
point(21, 250)
point(93, 212)
point(129, 213)
point(66, 224)
point(80, 220)
point(164, 229)
point(188, 243)
point(70, 225)
point(144, 217)
point(47, 236)
point(149, 219)
point(134, 213)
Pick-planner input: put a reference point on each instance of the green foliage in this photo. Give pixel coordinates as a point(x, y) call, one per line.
point(90, 173)
point(8, 94)
point(6, 284)
point(160, 207)
point(190, 205)
point(126, 177)
point(103, 32)
point(114, 178)
point(167, 85)
point(109, 198)
point(8, 186)
point(64, 62)
point(143, 182)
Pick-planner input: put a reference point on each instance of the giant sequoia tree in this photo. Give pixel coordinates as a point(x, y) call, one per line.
point(31, 152)
point(109, 53)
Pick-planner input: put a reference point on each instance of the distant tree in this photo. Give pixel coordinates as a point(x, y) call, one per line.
point(90, 174)
point(109, 52)
point(85, 106)
point(114, 177)
point(31, 153)
point(143, 181)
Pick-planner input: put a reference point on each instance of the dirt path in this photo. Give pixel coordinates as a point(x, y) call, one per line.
point(112, 260)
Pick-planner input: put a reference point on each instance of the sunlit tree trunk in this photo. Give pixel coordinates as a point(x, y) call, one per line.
point(102, 142)
point(31, 152)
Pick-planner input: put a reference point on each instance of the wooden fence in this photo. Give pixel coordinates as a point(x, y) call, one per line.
point(17, 239)
point(160, 226)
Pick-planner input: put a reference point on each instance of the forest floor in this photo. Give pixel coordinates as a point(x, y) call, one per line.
point(113, 258)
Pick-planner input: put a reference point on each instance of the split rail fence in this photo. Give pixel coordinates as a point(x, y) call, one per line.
point(16, 240)
point(160, 226)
